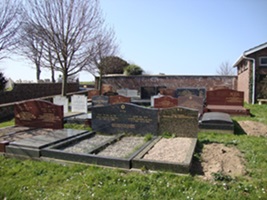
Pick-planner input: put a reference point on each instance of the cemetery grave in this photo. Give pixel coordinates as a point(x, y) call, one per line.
point(216, 122)
point(227, 101)
point(116, 150)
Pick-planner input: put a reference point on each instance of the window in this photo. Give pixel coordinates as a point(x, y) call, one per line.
point(263, 61)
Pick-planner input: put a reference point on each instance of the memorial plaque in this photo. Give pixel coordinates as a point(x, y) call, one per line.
point(225, 97)
point(165, 102)
point(38, 113)
point(193, 102)
point(79, 103)
point(62, 101)
point(217, 122)
point(132, 93)
point(148, 92)
point(119, 99)
point(92, 93)
point(128, 118)
point(122, 92)
point(179, 121)
point(100, 101)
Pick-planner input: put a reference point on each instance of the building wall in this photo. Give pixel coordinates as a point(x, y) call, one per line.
point(23, 91)
point(173, 82)
point(244, 71)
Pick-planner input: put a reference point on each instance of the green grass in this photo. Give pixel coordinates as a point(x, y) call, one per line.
point(28, 179)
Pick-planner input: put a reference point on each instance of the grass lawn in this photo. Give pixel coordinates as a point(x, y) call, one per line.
point(29, 179)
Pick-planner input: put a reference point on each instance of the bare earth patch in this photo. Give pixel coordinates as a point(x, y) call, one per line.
point(254, 128)
point(218, 158)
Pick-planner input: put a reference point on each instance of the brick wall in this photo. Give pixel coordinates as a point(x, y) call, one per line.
point(243, 81)
point(23, 91)
point(136, 82)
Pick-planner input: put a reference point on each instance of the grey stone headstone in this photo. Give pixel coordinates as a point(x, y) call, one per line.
point(125, 117)
point(62, 101)
point(79, 103)
point(100, 101)
point(179, 121)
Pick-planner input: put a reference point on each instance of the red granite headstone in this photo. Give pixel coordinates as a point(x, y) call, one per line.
point(39, 114)
point(92, 93)
point(165, 102)
point(225, 97)
point(119, 99)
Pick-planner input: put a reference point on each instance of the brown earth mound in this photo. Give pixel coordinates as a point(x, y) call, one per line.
point(254, 128)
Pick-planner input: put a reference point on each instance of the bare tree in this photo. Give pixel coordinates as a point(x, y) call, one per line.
point(104, 46)
point(9, 25)
point(68, 30)
point(225, 69)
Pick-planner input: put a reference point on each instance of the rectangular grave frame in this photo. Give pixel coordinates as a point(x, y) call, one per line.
point(4, 143)
point(89, 158)
point(183, 167)
point(32, 151)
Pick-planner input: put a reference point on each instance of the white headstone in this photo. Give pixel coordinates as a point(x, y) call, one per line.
point(152, 103)
point(79, 103)
point(62, 101)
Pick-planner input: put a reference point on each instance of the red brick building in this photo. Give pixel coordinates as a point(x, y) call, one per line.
point(252, 73)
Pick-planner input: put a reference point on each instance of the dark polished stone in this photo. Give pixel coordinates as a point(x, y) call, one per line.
point(100, 101)
point(124, 117)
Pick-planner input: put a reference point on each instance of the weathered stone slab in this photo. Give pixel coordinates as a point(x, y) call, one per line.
point(179, 121)
point(100, 101)
point(62, 101)
point(92, 93)
point(216, 122)
point(194, 102)
point(79, 103)
point(225, 97)
point(201, 92)
point(39, 114)
point(165, 102)
point(129, 118)
point(84, 119)
point(119, 99)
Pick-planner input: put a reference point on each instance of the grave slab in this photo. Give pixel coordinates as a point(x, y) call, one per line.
point(175, 157)
point(165, 102)
point(79, 104)
point(92, 156)
point(125, 118)
point(182, 122)
point(62, 101)
point(30, 146)
point(193, 102)
point(84, 119)
point(39, 114)
point(216, 122)
point(100, 101)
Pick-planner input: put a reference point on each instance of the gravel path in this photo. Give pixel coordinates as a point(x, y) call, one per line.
point(85, 146)
point(123, 148)
point(170, 150)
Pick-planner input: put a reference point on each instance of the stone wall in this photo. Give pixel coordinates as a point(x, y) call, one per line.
point(23, 91)
point(136, 82)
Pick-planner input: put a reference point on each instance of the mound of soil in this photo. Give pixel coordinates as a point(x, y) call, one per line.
point(218, 158)
point(254, 128)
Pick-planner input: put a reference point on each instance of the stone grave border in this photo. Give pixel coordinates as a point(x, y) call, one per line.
point(182, 167)
point(54, 152)
point(32, 151)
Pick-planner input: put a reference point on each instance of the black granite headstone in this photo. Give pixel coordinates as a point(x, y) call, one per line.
point(148, 92)
point(100, 101)
point(179, 121)
point(124, 118)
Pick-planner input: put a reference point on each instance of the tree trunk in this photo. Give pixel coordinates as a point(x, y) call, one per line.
point(100, 83)
point(53, 75)
point(38, 74)
point(64, 84)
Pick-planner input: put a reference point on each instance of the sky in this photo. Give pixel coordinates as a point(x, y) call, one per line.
point(174, 37)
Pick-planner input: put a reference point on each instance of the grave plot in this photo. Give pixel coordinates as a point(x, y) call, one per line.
point(216, 122)
point(29, 143)
point(173, 154)
point(115, 150)
point(9, 134)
